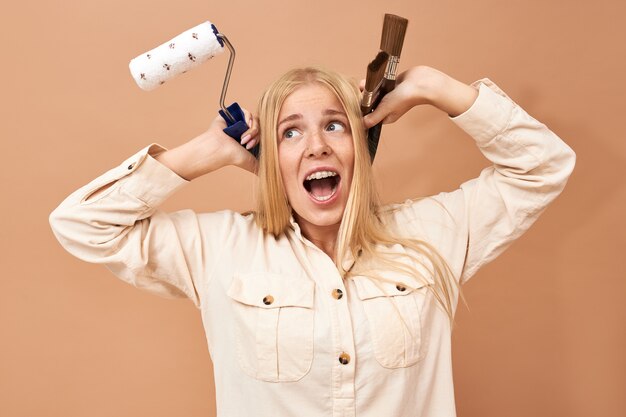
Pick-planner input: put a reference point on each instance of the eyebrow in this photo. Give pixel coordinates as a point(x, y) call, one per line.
point(332, 112)
point(289, 118)
point(297, 116)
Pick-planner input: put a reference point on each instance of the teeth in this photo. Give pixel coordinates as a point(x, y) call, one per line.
point(321, 174)
point(325, 197)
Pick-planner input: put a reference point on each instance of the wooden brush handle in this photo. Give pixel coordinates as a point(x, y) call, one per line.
point(373, 134)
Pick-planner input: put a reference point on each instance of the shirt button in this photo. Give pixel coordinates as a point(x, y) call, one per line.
point(131, 166)
point(400, 287)
point(344, 358)
point(337, 293)
point(268, 299)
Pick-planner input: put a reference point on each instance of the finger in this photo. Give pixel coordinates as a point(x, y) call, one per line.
point(391, 117)
point(253, 124)
point(248, 118)
point(252, 141)
point(378, 115)
point(362, 85)
point(251, 144)
point(250, 136)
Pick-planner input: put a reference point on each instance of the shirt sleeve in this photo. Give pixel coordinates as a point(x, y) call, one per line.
point(122, 228)
point(530, 167)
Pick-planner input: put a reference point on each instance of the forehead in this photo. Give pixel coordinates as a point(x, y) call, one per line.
point(308, 98)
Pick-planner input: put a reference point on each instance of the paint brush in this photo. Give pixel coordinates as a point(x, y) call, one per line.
point(394, 30)
point(373, 81)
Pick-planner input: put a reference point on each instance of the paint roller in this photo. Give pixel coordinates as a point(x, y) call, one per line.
point(183, 53)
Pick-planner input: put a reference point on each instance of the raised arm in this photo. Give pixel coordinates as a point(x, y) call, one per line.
point(114, 220)
point(530, 167)
point(212, 150)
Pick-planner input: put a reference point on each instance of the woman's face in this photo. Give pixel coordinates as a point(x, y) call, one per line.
point(315, 154)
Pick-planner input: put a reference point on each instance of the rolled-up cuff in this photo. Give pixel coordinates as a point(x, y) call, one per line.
point(151, 181)
point(489, 115)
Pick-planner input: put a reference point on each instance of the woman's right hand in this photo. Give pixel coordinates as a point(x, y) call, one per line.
point(422, 85)
point(212, 150)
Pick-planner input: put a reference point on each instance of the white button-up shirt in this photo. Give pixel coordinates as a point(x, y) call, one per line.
point(287, 335)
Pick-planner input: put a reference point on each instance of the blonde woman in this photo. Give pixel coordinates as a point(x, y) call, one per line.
point(323, 302)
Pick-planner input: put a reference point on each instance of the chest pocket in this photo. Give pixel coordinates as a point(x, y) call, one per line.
point(395, 313)
point(275, 318)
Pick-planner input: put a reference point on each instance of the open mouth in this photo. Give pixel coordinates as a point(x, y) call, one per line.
point(322, 185)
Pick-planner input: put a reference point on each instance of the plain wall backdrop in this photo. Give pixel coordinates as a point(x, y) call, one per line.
point(545, 332)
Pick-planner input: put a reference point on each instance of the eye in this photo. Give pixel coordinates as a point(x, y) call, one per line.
point(336, 127)
point(290, 133)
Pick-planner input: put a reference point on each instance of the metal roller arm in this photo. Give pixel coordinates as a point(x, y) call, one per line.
point(231, 61)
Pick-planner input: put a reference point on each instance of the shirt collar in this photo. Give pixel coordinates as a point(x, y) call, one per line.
point(296, 228)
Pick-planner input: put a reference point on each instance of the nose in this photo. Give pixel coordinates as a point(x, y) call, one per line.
point(317, 146)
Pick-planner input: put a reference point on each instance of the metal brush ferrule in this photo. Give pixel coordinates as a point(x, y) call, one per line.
point(392, 67)
point(368, 99)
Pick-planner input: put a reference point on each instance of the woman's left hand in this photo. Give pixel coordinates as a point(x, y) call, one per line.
point(422, 85)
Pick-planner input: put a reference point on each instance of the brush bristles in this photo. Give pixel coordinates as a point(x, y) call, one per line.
point(376, 70)
point(394, 29)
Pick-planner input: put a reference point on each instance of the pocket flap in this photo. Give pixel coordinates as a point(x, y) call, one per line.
point(269, 290)
point(399, 285)
point(386, 281)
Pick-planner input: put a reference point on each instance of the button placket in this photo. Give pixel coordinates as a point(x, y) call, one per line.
point(324, 272)
point(343, 372)
point(343, 342)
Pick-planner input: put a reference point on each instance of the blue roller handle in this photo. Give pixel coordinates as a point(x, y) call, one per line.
point(235, 129)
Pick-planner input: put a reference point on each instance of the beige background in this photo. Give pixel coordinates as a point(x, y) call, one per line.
point(545, 334)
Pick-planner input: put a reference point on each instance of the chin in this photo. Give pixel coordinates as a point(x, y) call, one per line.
point(320, 218)
point(323, 220)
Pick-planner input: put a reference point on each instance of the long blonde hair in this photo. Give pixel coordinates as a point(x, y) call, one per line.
point(362, 232)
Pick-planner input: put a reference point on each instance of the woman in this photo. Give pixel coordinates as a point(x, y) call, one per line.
point(323, 302)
